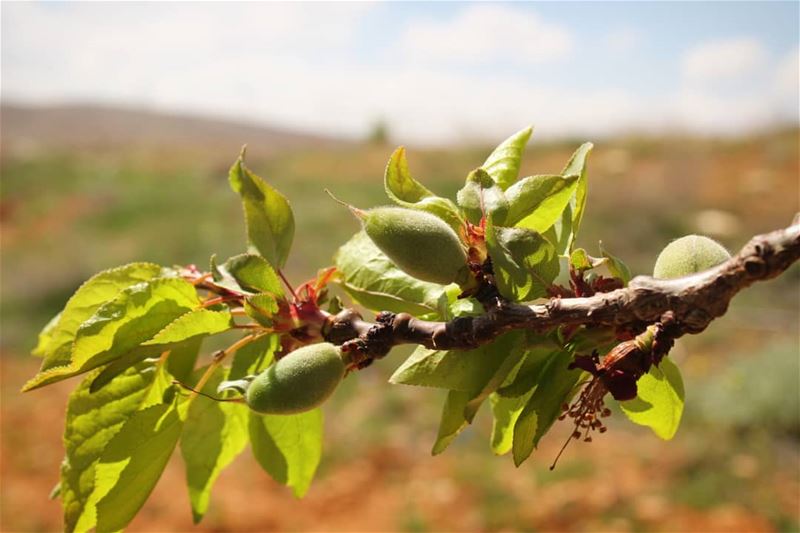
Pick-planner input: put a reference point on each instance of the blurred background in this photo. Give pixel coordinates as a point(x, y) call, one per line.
point(119, 122)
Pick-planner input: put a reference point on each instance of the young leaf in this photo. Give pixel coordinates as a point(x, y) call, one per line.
point(117, 327)
point(132, 462)
point(477, 373)
point(404, 190)
point(288, 447)
point(182, 358)
point(505, 412)
point(459, 370)
point(504, 162)
point(247, 272)
point(536, 202)
point(92, 420)
point(56, 345)
point(254, 357)
point(480, 193)
point(577, 166)
point(371, 279)
point(261, 308)
point(565, 229)
point(659, 402)
point(525, 263)
point(453, 420)
point(616, 266)
point(197, 323)
point(508, 349)
point(46, 336)
point(530, 371)
point(556, 386)
point(214, 433)
point(580, 260)
point(268, 216)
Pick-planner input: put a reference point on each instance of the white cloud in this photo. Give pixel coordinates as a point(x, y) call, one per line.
point(724, 59)
point(487, 32)
point(624, 39)
point(298, 65)
point(787, 75)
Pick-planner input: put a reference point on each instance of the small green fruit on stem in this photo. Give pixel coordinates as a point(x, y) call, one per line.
point(419, 243)
point(299, 382)
point(687, 255)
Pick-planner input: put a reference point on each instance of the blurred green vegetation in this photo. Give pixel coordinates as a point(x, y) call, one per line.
point(66, 216)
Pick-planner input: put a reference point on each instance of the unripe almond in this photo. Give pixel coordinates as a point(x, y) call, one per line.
point(419, 243)
point(299, 382)
point(687, 255)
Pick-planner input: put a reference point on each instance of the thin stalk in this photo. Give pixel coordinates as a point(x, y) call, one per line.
point(220, 356)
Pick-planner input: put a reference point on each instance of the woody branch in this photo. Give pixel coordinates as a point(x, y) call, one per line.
point(693, 302)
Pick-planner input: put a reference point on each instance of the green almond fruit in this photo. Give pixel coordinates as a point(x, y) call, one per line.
point(419, 243)
point(298, 382)
point(687, 255)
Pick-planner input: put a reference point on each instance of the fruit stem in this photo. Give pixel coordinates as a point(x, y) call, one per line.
point(195, 392)
point(288, 285)
point(220, 356)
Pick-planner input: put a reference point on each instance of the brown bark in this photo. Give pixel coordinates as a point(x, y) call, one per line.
point(693, 301)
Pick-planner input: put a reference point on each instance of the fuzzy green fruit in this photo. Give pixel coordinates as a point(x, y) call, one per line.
point(299, 382)
point(687, 255)
point(419, 243)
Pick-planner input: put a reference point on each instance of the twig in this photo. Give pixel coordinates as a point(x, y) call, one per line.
point(694, 301)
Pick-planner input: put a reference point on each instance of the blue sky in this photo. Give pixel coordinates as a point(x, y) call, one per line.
point(436, 72)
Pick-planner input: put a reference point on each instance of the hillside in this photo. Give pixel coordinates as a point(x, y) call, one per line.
point(93, 128)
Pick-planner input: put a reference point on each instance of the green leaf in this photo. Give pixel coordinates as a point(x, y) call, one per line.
point(577, 166)
point(92, 420)
point(616, 266)
point(182, 358)
point(261, 308)
point(46, 336)
point(508, 349)
point(480, 193)
point(134, 316)
point(505, 412)
point(132, 463)
point(530, 371)
point(565, 230)
point(659, 402)
point(477, 373)
point(573, 214)
point(471, 377)
point(268, 216)
point(371, 279)
point(580, 260)
point(555, 387)
point(214, 433)
point(525, 263)
point(504, 162)
point(536, 202)
point(404, 190)
point(56, 344)
point(247, 272)
point(288, 447)
point(197, 323)
point(461, 370)
point(254, 357)
point(453, 420)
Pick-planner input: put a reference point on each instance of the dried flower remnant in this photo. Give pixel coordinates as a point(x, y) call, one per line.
point(617, 374)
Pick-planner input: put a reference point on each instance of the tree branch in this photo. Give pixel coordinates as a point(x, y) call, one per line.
point(694, 301)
